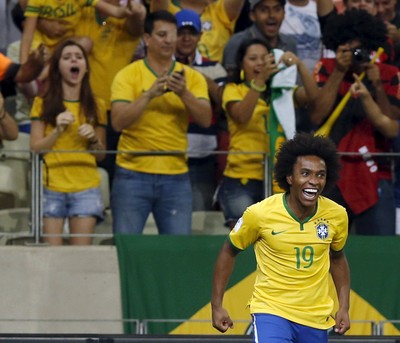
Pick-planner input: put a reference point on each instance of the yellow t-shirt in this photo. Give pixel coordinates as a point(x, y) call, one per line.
point(217, 28)
point(163, 124)
point(292, 258)
point(69, 171)
point(249, 137)
point(113, 49)
point(66, 10)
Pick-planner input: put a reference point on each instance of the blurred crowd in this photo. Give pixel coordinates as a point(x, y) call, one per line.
point(196, 96)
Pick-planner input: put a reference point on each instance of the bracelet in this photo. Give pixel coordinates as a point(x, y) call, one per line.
point(257, 88)
point(3, 116)
point(93, 142)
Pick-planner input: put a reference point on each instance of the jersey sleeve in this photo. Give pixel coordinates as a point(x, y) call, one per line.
point(342, 229)
point(121, 88)
point(36, 109)
point(246, 230)
point(231, 94)
point(102, 112)
point(197, 84)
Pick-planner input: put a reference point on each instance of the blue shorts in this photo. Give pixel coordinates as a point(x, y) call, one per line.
point(86, 203)
point(269, 328)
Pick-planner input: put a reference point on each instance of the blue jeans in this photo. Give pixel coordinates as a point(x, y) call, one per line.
point(203, 176)
point(134, 195)
point(234, 196)
point(269, 328)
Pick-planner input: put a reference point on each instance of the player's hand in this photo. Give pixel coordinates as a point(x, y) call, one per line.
point(86, 131)
point(221, 320)
point(289, 58)
point(176, 82)
point(342, 321)
point(63, 120)
point(159, 86)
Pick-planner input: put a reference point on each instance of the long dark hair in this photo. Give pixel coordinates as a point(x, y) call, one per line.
point(235, 76)
point(53, 100)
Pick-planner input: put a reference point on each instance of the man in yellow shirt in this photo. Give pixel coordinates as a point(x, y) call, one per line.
point(151, 102)
point(298, 239)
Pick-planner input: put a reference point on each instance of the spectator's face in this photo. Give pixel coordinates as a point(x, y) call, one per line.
point(162, 41)
point(268, 16)
point(386, 9)
point(72, 65)
point(366, 5)
point(187, 41)
point(254, 61)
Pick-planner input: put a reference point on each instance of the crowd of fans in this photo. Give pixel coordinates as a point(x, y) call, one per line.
point(169, 83)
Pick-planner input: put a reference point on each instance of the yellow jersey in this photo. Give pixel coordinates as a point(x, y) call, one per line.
point(292, 258)
point(163, 125)
point(248, 137)
point(69, 171)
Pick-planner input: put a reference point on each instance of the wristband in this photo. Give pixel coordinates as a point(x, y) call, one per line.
point(257, 88)
point(94, 141)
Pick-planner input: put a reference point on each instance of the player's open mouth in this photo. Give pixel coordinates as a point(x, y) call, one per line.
point(74, 71)
point(310, 193)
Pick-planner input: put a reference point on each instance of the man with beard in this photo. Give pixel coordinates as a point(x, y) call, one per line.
point(267, 17)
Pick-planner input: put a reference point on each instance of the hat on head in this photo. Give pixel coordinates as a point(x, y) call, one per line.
point(253, 3)
point(188, 18)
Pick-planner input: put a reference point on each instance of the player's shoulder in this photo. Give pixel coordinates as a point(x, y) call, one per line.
point(329, 204)
point(269, 202)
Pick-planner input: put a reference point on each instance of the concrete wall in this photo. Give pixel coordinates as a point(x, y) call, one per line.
point(77, 288)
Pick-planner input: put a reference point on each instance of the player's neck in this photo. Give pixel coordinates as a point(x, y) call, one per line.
point(300, 210)
point(158, 65)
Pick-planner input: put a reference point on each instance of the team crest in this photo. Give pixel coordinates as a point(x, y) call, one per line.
point(206, 25)
point(322, 230)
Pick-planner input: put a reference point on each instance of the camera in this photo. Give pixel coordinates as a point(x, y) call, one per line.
point(360, 55)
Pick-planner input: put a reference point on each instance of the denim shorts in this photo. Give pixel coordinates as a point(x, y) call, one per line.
point(134, 195)
point(274, 329)
point(86, 203)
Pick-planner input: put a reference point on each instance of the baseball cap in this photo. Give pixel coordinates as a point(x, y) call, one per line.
point(188, 18)
point(253, 3)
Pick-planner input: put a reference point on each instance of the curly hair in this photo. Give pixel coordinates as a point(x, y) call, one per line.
point(306, 144)
point(354, 24)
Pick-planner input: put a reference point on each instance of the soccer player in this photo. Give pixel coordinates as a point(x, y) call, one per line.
point(298, 239)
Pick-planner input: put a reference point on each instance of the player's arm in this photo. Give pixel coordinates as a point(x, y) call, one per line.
point(124, 114)
point(341, 277)
point(222, 272)
point(134, 23)
point(27, 38)
point(8, 126)
point(233, 8)
point(323, 104)
point(158, 5)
